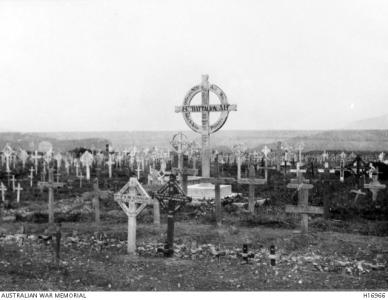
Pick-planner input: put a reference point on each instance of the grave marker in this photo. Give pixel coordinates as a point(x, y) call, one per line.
point(87, 160)
point(31, 176)
point(18, 189)
point(131, 195)
point(302, 185)
point(375, 186)
point(3, 190)
point(251, 181)
point(205, 128)
point(50, 184)
point(171, 198)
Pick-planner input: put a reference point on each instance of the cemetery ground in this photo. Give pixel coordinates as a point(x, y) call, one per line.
point(347, 251)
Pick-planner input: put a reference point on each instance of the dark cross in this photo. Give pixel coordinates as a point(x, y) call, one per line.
point(252, 181)
point(171, 198)
point(302, 185)
point(217, 181)
point(325, 180)
point(184, 173)
point(50, 184)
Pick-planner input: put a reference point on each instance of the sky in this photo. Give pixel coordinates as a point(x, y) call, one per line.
point(93, 65)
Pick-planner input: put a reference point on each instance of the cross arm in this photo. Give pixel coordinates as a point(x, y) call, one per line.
point(220, 180)
point(252, 181)
point(205, 108)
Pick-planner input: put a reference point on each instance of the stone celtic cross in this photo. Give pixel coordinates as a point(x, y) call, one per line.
point(132, 198)
point(205, 128)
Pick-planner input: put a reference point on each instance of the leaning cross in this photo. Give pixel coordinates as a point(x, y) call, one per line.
point(303, 187)
point(171, 198)
point(50, 184)
point(205, 128)
point(131, 195)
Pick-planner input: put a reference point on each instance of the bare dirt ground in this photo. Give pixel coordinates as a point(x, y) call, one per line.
point(321, 260)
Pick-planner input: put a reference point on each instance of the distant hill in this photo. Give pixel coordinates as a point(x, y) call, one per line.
point(380, 122)
point(344, 140)
point(31, 141)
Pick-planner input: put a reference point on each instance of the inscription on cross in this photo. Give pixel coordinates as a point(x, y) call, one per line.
point(205, 128)
point(132, 198)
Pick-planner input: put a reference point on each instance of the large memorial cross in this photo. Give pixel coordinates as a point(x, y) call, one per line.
point(205, 128)
point(132, 198)
point(171, 198)
point(180, 145)
point(50, 184)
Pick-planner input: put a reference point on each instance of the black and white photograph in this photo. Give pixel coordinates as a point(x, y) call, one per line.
point(193, 146)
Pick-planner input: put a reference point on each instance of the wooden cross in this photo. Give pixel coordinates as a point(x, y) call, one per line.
point(13, 183)
point(80, 176)
point(239, 153)
point(110, 163)
point(184, 173)
point(87, 160)
point(375, 186)
point(76, 168)
point(300, 149)
point(7, 151)
point(23, 156)
point(31, 176)
point(138, 170)
point(35, 157)
point(302, 185)
point(129, 197)
point(3, 190)
point(18, 189)
point(50, 184)
point(325, 178)
point(252, 181)
point(171, 198)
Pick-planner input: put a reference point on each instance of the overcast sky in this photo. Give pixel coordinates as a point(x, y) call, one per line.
point(91, 65)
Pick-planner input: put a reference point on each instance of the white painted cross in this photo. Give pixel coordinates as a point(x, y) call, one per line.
point(110, 163)
point(13, 183)
point(18, 189)
point(58, 158)
point(86, 160)
point(3, 190)
point(7, 151)
point(131, 195)
point(375, 186)
point(239, 152)
point(381, 157)
point(300, 149)
point(35, 158)
point(31, 176)
point(23, 157)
